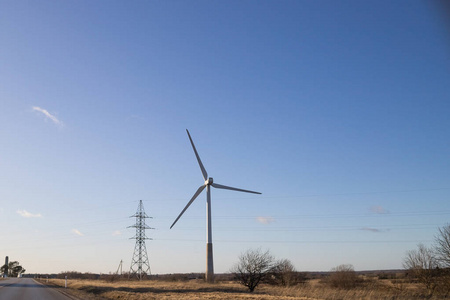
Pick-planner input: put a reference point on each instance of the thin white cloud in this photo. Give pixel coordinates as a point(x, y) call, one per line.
point(48, 115)
point(117, 232)
point(27, 214)
point(265, 220)
point(77, 232)
point(377, 209)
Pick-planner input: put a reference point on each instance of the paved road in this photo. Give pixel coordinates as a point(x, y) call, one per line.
point(27, 289)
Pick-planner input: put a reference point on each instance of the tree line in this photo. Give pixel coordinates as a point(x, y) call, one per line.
point(12, 269)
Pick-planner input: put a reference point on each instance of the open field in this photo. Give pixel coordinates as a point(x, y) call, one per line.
point(197, 289)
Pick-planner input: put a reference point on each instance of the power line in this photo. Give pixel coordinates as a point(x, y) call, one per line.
point(304, 242)
point(318, 195)
point(358, 193)
point(343, 215)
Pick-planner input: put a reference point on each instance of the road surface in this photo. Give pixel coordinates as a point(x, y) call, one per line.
point(28, 289)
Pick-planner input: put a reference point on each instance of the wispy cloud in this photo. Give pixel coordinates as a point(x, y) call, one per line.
point(27, 214)
point(265, 220)
point(377, 209)
point(77, 232)
point(376, 230)
point(48, 115)
point(117, 232)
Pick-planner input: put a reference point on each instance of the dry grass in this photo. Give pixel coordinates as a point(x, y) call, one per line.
point(197, 289)
point(194, 289)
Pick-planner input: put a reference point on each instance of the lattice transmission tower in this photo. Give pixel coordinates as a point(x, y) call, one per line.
point(139, 264)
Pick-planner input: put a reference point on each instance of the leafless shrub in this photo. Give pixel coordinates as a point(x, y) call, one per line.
point(343, 277)
point(442, 247)
point(283, 273)
point(443, 283)
point(424, 266)
point(253, 267)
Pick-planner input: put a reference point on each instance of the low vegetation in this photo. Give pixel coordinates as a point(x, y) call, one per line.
point(257, 275)
point(430, 266)
point(253, 267)
point(343, 277)
point(370, 287)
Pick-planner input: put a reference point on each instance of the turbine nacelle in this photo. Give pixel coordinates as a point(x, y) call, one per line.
point(209, 182)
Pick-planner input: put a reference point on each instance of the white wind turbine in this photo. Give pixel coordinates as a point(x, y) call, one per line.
point(208, 183)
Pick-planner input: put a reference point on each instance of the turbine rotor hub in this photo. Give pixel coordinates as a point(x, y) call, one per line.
point(209, 181)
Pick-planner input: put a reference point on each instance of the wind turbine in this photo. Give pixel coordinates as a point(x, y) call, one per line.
point(208, 184)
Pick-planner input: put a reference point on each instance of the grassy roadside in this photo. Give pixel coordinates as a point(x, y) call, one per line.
point(135, 290)
point(59, 284)
point(198, 289)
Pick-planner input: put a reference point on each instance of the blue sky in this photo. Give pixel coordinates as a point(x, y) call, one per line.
point(338, 112)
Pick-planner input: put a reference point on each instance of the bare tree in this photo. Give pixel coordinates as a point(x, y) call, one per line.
point(443, 246)
point(424, 266)
point(283, 272)
point(442, 249)
point(343, 277)
point(253, 266)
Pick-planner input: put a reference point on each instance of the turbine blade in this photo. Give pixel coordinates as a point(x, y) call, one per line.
point(200, 189)
point(219, 186)
point(205, 174)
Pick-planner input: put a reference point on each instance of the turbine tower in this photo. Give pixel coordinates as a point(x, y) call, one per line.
point(208, 184)
point(139, 263)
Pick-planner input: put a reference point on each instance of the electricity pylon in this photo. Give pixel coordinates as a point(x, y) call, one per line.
point(119, 268)
point(139, 264)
